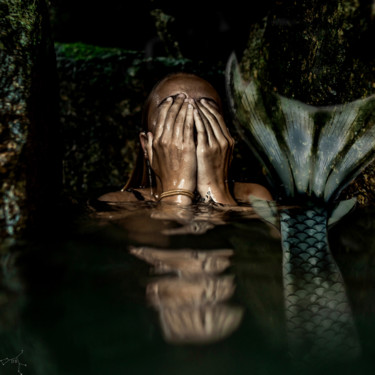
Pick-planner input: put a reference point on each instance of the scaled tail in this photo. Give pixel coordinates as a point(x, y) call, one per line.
point(319, 320)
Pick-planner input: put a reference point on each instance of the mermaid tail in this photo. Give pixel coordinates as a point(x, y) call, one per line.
point(306, 150)
point(310, 155)
point(318, 314)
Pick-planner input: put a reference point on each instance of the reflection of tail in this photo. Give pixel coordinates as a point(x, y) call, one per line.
point(311, 154)
point(308, 150)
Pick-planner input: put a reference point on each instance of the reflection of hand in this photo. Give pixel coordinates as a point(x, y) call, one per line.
point(214, 152)
point(185, 262)
point(171, 149)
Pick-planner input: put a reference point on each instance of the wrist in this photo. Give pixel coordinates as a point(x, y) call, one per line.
point(177, 199)
point(177, 196)
point(218, 194)
point(181, 185)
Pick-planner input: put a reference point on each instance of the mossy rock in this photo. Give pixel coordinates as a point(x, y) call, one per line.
point(29, 160)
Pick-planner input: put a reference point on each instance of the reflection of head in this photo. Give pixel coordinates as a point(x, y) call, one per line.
point(193, 87)
point(191, 294)
point(200, 326)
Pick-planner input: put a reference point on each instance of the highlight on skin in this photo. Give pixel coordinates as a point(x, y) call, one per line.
point(186, 149)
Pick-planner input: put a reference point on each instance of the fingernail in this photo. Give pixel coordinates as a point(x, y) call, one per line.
point(186, 100)
point(181, 96)
point(169, 99)
point(203, 101)
point(190, 106)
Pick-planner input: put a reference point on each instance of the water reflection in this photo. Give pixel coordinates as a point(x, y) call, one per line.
point(169, 219)
point(191, 295)
point(190, 289)
point(223, 306)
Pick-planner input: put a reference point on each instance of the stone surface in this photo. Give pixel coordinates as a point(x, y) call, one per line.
point(315, 51)
point(29, 170)
point(319, 53)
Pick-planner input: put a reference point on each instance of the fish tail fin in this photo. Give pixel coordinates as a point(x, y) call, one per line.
point(306, 149)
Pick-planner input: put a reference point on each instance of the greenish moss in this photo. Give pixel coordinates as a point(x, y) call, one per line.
point(82, 51)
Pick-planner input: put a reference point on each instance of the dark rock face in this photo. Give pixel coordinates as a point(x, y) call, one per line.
point(317, 52)
point(29, 166)
point(99, 103)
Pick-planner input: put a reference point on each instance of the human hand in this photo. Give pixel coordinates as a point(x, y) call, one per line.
point(171, 149)
point(214, 153)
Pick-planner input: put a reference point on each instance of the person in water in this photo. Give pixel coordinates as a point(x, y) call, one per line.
point(186, 148)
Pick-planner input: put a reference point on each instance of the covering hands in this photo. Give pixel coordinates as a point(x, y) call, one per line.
point(171, 149)
point(214, 153)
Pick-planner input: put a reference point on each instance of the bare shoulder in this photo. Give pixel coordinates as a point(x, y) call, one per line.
point(243, 190)
point(118, 196)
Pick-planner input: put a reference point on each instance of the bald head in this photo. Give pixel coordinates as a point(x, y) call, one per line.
point(192, 86)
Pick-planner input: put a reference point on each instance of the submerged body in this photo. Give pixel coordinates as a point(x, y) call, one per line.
point(242, 193)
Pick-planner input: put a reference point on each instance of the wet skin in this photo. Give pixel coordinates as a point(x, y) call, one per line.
point(188, 145)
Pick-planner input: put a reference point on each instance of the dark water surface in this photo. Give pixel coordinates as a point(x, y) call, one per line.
point(131, 290)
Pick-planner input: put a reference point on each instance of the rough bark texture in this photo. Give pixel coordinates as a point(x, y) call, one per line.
point(29, 171)
point(320, 53)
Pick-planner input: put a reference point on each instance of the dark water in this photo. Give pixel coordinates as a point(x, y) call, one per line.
point(133, 291)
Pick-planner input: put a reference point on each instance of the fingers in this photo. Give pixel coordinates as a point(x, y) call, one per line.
point(172, 116)
point(189, 124)
point(218, 117)
point(178, 128)
point(211, 120)
point(164, 108)
point(219, 122)
point(207, 126)
point(201, 129)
